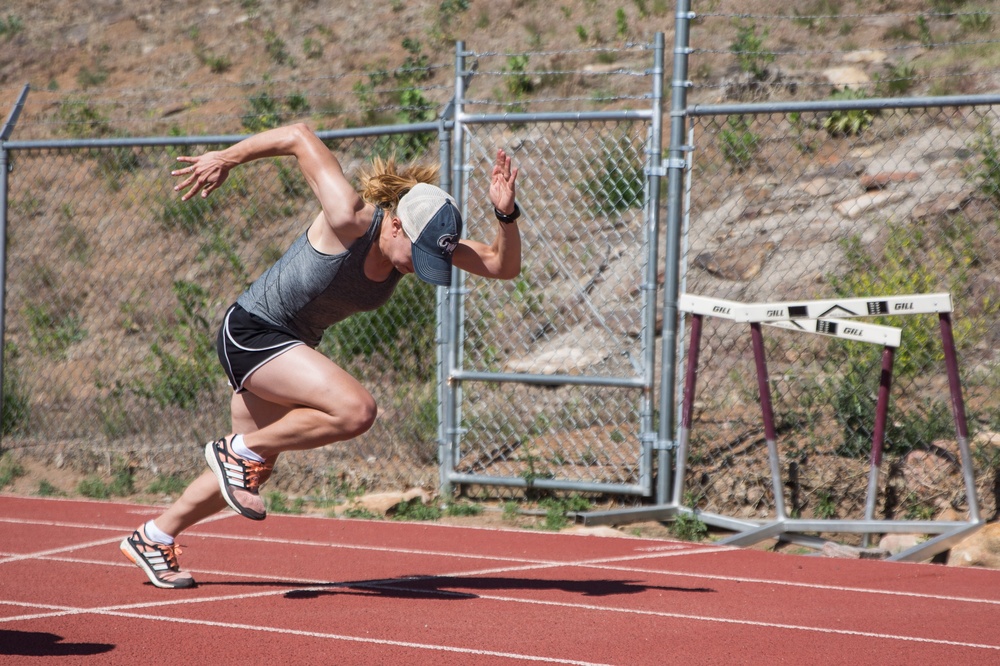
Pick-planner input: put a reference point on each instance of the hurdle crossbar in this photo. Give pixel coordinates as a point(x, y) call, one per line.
point(888, 336)
point(844, 308)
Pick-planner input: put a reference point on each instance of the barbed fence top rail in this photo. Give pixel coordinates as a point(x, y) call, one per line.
point(751, 108)
point(117, 142)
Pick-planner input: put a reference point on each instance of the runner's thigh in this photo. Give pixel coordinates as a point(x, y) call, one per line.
point(303, 377)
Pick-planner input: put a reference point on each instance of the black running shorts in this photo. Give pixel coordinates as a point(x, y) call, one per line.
point(247, 342)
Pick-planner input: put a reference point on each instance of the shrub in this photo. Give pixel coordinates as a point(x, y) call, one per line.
point(121, 484)
point(10, 469)
point(518, 82)
point(987, 172)
point(171, 484)
point(183, 357)
point(898, 79)
point(739, 145)
point(191, 216)
point(689, 527)
point(81, 120)
point(53, 334)
point(10, 26)
point(848, 122)
point(749, 51)
point(16, 403)
point(264, 112)
point(413, 106)
point(912, 261)
point(620, 180)
point(556, 510)
point(414, 509)
point(277, 502)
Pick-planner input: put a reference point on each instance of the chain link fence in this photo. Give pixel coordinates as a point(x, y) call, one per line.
point(115, 289)
point(840, 203)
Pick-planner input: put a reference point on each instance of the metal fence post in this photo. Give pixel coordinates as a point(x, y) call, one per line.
point(5, 166)
point(654, 170)
point(444, 340)
point(450, 421)
point(676, 165)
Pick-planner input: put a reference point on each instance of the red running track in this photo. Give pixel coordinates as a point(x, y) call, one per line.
point(304, 590)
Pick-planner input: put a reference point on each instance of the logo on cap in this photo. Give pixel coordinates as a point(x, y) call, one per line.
point(448, 243)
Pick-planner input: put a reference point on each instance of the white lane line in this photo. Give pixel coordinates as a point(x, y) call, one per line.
point(521, 564)
point(748, 623)
point(46, 554)
point(434, 647)
point(683, 550)
point(786, 583)
point(122, 611)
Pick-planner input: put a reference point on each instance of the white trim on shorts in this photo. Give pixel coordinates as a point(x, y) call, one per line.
point(280, 349)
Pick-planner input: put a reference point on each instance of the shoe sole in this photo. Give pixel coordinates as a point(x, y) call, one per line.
point(138, 560)
point(220, 476)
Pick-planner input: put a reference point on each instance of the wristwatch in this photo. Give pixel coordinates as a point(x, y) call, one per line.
point(507, 219)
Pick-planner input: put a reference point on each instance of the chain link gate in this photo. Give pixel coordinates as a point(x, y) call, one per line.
point(550, 377)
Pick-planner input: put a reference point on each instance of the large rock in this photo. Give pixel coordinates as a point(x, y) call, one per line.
point(854, 208)
point(982, 549)
point(562, 361)
point(739, 264)
point(894, 544)
point(382, 503)
point(930, 468)
point(847, 77)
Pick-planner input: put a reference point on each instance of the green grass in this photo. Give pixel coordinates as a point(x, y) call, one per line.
point(277, 502)
point(689, 527)
point(360, 513)
point(511, 510)
point(16, 402)
point(121, 484)
point(171, 484)
point(414, 509)
point(10, 470)
point(557, 510)
point(46, 489)
point(462, 510)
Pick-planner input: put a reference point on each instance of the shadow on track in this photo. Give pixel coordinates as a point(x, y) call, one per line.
point(44, 644)
point(460, 587)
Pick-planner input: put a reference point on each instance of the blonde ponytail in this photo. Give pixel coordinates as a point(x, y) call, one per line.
point(383, 184)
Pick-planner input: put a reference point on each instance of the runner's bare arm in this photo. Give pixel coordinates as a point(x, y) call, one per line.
point(502, 258)
point(322, 170)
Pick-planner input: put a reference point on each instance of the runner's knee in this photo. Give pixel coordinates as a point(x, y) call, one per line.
point(356, 413)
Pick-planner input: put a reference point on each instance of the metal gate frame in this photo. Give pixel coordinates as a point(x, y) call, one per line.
point(452, 372)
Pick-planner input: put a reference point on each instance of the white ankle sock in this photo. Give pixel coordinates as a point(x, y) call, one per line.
point(240, 449)
point(156, 535)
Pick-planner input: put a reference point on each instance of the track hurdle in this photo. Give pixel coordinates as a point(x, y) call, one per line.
point(823, 317)
point(827, 317)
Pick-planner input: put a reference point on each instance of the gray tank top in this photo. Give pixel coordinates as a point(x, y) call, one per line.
point(307, 291)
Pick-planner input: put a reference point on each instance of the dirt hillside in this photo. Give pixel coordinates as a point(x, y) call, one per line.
point(188, 66)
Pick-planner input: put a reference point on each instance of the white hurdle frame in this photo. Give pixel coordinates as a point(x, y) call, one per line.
point(826, 317)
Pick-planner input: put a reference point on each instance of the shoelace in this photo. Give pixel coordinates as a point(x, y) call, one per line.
point(254, 470)
point(170, 553)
